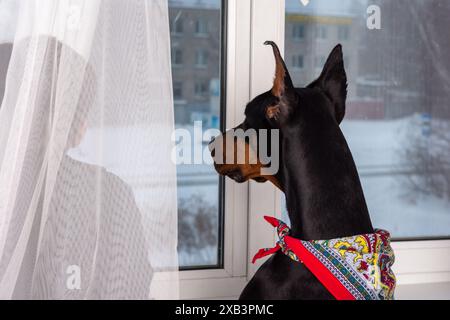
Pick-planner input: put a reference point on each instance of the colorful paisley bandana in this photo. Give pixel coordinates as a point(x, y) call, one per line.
point(351, 268)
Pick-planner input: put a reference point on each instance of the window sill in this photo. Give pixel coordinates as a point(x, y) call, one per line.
point(422, 262)
point(424, 291)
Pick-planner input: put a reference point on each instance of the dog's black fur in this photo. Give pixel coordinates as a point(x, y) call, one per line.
point(317, 173)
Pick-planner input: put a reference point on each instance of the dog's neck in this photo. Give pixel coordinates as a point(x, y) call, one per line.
point(323, 192)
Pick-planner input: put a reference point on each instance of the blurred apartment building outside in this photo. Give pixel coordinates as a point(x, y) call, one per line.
point(310, 37)
point(393, 72)
point(195, 30)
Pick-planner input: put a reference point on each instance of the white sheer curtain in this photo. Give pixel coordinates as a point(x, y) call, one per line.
point(88, 205)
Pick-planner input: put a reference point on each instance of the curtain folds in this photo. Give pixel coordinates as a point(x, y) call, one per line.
point(88, 206)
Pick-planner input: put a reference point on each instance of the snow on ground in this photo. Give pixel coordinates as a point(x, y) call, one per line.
point(377, 148)
point(402, 214)
point(375, 143)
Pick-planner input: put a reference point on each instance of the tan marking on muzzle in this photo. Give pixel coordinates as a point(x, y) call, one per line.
point(244, 164)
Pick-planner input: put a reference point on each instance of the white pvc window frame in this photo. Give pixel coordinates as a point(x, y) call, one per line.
point(249, 24)
point(417, 262)
point(229, 281)
point(250, 70)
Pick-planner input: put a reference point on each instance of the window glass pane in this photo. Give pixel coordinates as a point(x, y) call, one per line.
point(398, 112)
point(196, 51)
point(196, 88)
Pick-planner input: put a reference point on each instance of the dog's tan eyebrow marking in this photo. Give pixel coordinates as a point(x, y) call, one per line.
point(272, 112)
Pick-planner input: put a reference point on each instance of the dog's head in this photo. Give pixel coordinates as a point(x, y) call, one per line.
point(279, 109)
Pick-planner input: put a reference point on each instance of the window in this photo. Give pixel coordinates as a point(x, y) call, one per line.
point(177, 90)
point(177, 57)
point(343, 33)
point(297, 62)
point(177, 26)
point(201, 89)
point(321, 32)
point(201, 58)
point(200, 189)
point(298, 31)
point(201, 27)
point(398, 117)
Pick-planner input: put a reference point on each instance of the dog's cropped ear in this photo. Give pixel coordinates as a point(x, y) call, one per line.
point(333, 81)
point(282, 85)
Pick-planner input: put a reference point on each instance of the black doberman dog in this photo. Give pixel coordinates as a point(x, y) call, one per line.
point(317, 173)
